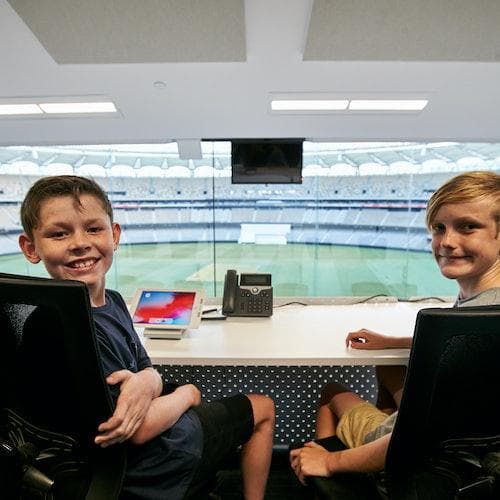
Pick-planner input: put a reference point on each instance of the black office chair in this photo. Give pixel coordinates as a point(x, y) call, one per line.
point(52, 395)
point(446, 441)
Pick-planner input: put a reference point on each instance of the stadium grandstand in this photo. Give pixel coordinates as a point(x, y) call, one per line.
point(159, 198)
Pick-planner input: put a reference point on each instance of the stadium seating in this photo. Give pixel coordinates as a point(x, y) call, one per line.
point(345, 210)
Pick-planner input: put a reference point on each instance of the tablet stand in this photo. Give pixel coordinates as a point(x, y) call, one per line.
point(156, 333)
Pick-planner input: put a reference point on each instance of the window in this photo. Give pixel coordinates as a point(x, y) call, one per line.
point(348, 229)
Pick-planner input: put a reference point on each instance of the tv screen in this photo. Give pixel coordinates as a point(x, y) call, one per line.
point(266, 161)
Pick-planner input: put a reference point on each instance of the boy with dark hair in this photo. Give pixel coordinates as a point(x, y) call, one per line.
point(174, 442)
point(463, 217)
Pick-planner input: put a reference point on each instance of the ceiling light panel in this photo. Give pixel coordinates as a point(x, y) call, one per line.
point(309, 104)
point(78, 107)
point(20, 109)
point(388, 104)
point(345, 102)
point(53, 107)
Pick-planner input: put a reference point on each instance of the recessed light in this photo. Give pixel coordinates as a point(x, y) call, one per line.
point(388, 104)
point(309, 104)
point(78, 107)
point(20, 109)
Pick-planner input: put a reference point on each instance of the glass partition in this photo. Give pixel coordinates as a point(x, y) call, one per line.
point(354, 227)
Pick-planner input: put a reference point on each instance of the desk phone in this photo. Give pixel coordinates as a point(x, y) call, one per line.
point(250, 294)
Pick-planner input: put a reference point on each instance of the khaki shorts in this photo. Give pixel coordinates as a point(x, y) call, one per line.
point(357, 422)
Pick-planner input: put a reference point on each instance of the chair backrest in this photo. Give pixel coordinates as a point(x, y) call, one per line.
point(68, 392)
point(51, 378)
point(452, 386)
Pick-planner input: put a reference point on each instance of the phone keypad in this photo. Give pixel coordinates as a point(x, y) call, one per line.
point(255, 302)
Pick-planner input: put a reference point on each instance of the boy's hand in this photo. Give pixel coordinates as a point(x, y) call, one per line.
point(131, 408)
point(367, 339)
point(311, 460)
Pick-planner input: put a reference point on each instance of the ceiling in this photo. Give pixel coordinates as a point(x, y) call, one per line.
point(219, 62)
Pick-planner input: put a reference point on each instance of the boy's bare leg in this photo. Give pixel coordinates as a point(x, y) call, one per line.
point(326, 422)
point(391, 381)
point(257, 451)
point(334, 400)
point(385, 402)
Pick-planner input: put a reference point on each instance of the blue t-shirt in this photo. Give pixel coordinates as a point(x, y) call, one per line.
point(164, 466)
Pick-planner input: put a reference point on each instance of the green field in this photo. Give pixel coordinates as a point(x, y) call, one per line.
point(297, 269)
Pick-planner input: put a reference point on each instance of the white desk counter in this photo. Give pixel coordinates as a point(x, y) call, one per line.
point(295, 335)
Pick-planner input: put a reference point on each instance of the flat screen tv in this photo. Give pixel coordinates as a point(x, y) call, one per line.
point(266, 161)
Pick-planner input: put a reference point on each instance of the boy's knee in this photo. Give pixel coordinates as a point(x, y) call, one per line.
point(329, 391)
point(263, 408)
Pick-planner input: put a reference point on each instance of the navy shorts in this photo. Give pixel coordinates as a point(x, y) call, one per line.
point(227, 423)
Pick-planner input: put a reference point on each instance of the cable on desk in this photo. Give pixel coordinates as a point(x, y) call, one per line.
point(206, 311)
point(290, 303)
point(422, 299)
point(370, 298)
point(366, 299)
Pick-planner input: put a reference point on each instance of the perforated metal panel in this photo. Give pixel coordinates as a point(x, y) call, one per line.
point(294, 389)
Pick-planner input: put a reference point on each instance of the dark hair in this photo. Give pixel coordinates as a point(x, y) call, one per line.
point(56, 186)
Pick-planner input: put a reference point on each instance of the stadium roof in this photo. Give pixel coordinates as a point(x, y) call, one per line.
point(191, 69)
point(319, 159)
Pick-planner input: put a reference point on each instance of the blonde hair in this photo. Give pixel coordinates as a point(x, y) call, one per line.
point(466, 188)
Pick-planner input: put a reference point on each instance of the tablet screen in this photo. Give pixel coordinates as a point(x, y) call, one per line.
point(164, 308)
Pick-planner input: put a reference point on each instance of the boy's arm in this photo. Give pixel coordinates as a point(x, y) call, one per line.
point(314, 460)
point(163, 412)
point(368, 339)
point(137, 391)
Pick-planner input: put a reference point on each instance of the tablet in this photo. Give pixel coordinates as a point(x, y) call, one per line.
point(166, 310)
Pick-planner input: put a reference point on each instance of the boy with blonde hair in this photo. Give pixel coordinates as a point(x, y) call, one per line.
point(463, 217)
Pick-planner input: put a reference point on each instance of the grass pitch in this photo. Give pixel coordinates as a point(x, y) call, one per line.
point(297, 269)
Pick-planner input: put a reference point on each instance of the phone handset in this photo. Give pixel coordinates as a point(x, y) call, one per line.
point(230, 290)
